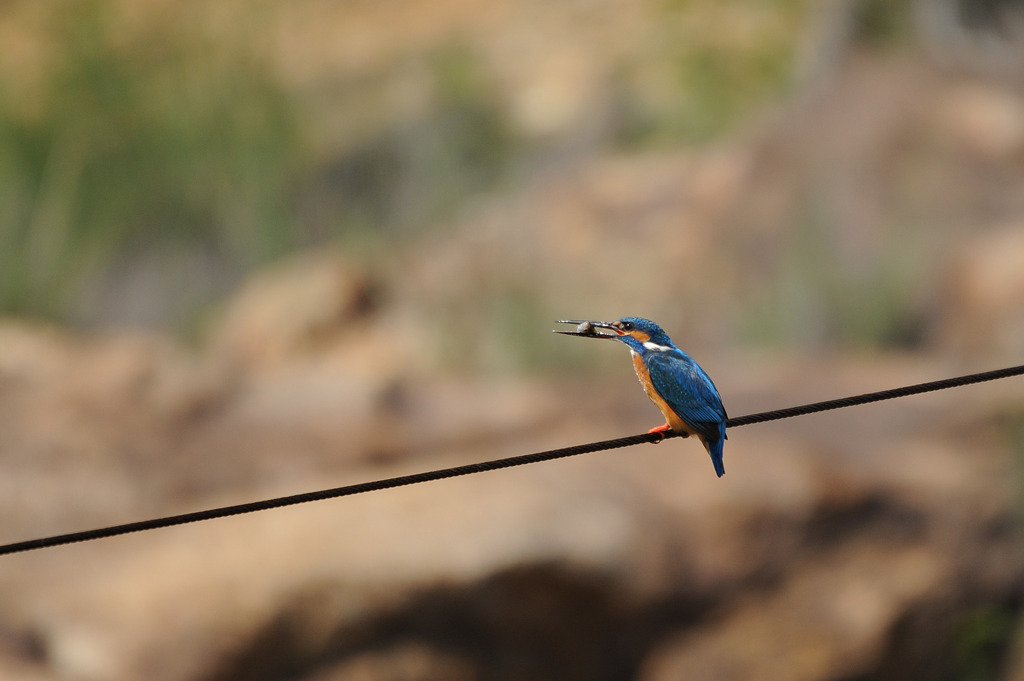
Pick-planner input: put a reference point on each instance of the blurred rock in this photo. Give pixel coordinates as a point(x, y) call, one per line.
point(983, 302)
point(831, 542)
point(829, 620)
point(406, 663)
point(303, 305)
point(85, 419)
point(987, 120)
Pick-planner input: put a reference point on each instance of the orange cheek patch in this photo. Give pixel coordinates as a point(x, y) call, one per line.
point(640, 336)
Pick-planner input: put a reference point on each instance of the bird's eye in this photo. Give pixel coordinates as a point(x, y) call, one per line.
point(626, 326)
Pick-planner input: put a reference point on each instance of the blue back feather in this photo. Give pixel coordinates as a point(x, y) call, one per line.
point(692, 395)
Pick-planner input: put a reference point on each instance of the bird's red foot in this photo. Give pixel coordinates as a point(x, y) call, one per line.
point(660, 430)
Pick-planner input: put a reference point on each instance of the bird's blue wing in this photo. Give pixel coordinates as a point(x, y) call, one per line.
point(688, 390)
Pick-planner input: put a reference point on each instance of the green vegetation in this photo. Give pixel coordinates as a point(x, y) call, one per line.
point(883, 22)
point(168, 129)
point(176, 137)
point(823, 293)
point(411, 173)
point(709, 64)
point(982, 637)
point(1011, 426)
point(134, 142)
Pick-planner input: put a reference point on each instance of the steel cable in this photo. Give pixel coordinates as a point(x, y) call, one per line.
point(497, 464)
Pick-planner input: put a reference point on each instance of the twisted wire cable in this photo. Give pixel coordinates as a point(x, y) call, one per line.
point(497, 464)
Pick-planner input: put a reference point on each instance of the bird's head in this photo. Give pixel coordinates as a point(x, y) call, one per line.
point(639, 334)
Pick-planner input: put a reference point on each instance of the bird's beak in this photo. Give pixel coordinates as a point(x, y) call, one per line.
point(589, 329)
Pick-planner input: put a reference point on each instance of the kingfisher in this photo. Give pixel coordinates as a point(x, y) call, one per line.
point(682, 390)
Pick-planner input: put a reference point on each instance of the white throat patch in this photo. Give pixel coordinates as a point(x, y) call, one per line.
point(656, 348)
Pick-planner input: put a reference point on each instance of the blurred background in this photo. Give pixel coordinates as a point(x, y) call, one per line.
point(250, 249)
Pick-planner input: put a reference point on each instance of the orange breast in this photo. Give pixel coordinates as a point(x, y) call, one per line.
point(671, 417)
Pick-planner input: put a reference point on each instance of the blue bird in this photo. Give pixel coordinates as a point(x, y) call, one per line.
point(681, 389)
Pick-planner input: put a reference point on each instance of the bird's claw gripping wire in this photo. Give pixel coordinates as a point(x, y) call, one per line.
point(662, 433)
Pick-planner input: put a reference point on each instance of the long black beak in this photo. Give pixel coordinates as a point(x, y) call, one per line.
point(587, 329)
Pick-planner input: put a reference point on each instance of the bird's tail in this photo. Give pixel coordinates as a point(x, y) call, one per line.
point(716, 448)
